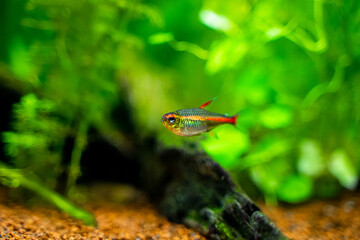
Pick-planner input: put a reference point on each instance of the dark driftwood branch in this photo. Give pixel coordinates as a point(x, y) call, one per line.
point(187, 186)
point(196, 191)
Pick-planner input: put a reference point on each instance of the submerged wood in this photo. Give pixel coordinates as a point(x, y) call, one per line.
point(187, 186)
point(196, 191)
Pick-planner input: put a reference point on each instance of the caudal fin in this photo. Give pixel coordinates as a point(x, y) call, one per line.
point(234, 118)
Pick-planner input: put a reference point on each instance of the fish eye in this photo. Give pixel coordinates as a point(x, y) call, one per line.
point(171, 119)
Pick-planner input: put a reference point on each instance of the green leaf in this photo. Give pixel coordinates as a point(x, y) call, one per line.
point(265, 151)
point(21, 63)
point(226, 54)
point(327, 186)
point(269, 176)
point(216, 21)
point(266, 181)
point(227, 145)
point(17, 141)
point(276, 116)
point(248, 118)
point(253, 85)
point(310, 162)
point(343, 169)
point(160, 38)
point(295, 189)
point(17, 178)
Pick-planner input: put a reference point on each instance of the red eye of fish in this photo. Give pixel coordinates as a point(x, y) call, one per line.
point(171, 119)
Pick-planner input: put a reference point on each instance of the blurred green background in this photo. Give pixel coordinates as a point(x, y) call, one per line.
point(291, 68)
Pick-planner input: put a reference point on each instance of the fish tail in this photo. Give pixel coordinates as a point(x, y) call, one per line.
point(234, 118)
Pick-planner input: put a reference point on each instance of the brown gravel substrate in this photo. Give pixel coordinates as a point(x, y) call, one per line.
point(135, 221)
point(319, 220)
point(121, 215)
point(124, 222)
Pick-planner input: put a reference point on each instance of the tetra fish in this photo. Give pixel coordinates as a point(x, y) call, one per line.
point(194, 121)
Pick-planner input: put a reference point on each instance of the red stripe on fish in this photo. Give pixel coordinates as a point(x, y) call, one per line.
point(223, 119)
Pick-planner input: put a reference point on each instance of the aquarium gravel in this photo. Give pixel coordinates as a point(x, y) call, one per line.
point(135, 221)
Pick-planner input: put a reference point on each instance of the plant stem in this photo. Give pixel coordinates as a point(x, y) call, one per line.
point(79, 145)
point(53, 197)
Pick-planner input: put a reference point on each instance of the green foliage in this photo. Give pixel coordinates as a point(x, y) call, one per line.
point(295, 188)
point(75, 53)
point(69, 57)
point(37, 140)
point(290, 68)
point(15, 178)
point(226, 145)
point(342, 168)
point(311, 161)
point(276, 117)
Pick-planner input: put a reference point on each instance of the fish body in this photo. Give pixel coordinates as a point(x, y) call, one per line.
point(194, 121)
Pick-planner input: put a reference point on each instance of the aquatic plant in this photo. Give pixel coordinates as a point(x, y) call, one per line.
point(68, 60)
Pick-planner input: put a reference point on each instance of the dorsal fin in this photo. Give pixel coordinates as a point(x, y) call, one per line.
point(207, 103)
